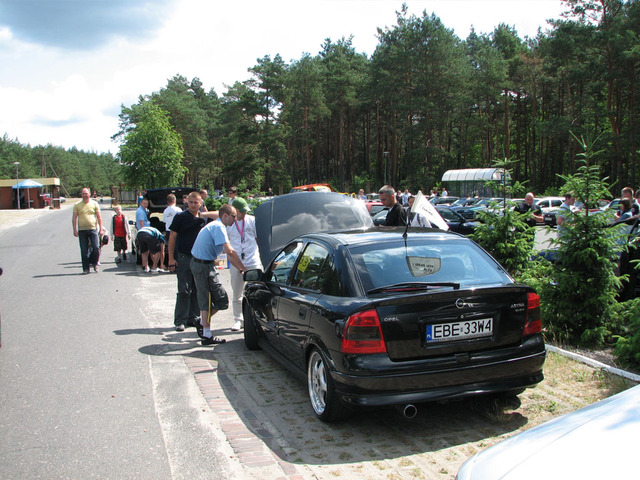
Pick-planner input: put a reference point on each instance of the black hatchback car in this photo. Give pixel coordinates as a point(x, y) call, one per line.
point(374, 317)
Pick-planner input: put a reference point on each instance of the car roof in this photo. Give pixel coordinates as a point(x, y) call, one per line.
point(158, 197)
point(285, 217)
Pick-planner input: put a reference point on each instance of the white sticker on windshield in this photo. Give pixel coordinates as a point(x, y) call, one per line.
point(422, 266)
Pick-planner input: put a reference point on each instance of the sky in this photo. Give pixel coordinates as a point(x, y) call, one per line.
point(67, 66)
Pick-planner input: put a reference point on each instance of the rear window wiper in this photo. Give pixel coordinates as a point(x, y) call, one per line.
point(409, 286)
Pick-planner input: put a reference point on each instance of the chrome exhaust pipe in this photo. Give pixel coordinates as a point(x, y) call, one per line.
point(408, 410)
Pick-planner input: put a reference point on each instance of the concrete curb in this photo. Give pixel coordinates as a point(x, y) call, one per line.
point(594, 363)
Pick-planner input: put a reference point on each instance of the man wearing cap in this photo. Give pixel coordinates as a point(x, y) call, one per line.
point(210, 243)
point(243, 239)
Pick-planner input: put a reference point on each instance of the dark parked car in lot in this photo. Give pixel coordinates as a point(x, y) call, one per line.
point(443, 200)
point(464, 202)
point(370, 317)
point(482, 205)
point(456, 222)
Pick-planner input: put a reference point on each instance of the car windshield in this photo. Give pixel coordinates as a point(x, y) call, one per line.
point(429, 261)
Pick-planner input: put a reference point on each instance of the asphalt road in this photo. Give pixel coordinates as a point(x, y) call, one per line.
point(84, 389)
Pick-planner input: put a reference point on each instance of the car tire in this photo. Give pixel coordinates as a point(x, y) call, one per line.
point(250, 330)
point(324, 401)
point(137, 254)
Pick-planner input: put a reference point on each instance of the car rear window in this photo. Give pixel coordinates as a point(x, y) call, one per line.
point(447, 260)
point(315, 212)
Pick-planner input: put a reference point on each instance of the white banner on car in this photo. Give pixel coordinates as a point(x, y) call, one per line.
point(423, 206)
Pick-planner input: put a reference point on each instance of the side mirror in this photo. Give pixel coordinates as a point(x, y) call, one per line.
point(252, 275)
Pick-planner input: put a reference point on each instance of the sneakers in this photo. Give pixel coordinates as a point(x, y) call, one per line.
point(147, 270)
point(157, 270)
point(96, 268)
point(118, 260)
point(212, 340)
point(237, 326)
point(180, 328)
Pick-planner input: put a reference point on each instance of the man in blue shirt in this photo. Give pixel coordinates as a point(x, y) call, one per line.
point(210, 243)
point(142, 214)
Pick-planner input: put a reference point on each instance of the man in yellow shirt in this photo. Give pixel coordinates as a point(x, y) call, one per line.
point(87, 223)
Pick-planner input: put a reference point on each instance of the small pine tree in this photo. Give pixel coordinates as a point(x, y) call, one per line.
point(506, 236)
point(579, 290)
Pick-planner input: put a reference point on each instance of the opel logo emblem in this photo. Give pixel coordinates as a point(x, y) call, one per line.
point(460, 303)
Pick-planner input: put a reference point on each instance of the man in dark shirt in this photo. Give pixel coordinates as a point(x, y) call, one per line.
point(396, 216)
point(183, 233)
point(529, 206)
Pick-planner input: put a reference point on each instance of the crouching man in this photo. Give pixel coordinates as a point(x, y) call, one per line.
point(151, 242)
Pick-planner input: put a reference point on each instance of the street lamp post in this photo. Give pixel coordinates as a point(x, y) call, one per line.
point(17, 185)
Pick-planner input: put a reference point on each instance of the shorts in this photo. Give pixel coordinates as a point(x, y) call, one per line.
point(119, 243)
point(207, 278)
point(149, 243)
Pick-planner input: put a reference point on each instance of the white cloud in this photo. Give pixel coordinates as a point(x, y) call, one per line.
point(72, 97)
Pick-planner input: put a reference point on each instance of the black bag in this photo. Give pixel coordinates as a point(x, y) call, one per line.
point(219, 297)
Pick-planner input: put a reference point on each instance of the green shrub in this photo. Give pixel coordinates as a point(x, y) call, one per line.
point(507, 238)
point(627, 347)
point(579, 290)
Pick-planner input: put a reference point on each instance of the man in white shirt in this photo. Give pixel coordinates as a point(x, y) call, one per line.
point(167, 216)
point(233, 194)
point(171, 211)
point(242, 237)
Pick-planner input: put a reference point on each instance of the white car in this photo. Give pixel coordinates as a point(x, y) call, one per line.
point(546, 204)
point(594, 443)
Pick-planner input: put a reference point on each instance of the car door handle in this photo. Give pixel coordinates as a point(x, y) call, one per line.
point(302, 313)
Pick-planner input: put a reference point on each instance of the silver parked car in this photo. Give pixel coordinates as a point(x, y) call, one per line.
point(594, 443)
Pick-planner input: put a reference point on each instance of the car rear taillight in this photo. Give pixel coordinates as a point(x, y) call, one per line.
point(532, 321)
point(363, 334)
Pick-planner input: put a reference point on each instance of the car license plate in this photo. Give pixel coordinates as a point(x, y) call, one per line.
point(446, 332)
